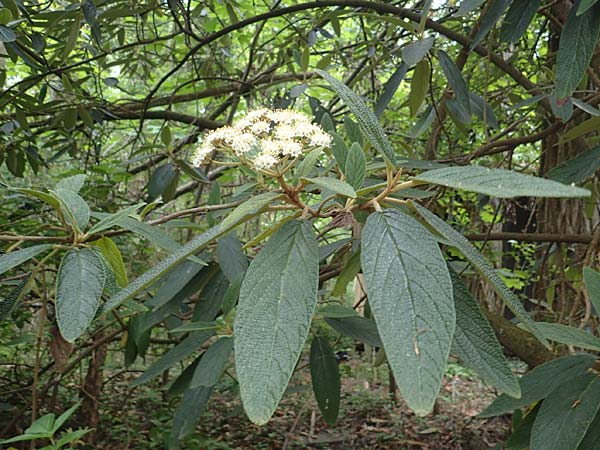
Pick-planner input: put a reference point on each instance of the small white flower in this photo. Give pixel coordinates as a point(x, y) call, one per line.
point(200, 154)
point(243, 143)
point(320, 139)
point(291, 148)
point(264, 161)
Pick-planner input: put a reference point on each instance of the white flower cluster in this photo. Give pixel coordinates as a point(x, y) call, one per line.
point(264, 137)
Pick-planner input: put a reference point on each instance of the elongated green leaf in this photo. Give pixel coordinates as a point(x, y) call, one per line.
point(499, 182)
point(153, 274)
point(389, 89)
point(47, 197)
point(154, 234)
point(163, 182)
point(517, 19)
point(467, 6)
point(416, 51)
point(419, 86)
point(75, 209)
point(592, 284)
point(587, 126)
point(410, 294)
point(578, 40)
point(325, 378)
point(348, 273)
point(356, 327)
point(566, 414)
point(10, 302)
point(484, 267)
point(336, 311)
point(333, 184)
point(192, 406)
point(249, 208)
point(232, 260)
point(79, 285)
point(113, 257)
point(195, 326)
point(585, 5)
point(521, 436)
point(577, 169)
point(18, 257)
point(339, 149)
point(212, 364)
point(540, 382)
point(182, 350)
point(7, 34)
point(457, 82)
point(492, 15)
point(114, 219)
point(73, 183)
point(569, 335)
point(366, 119)
point(475, 342)
point(591, 441)
point(356, 166)
point(277, 300)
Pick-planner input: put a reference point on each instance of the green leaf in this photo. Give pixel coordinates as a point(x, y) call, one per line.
point(153, 274)
point(113, 257)
point(356, 327)
point(410, 294)
point(7, 34)
point(591, 279)
point(540, 382)
point(60, 421)
point(575, 50)
point(389, 89)
point(333, 184)
point(277, 300)
point(79, 285)
point(419, 86)
point(416, 51)
point(484, 267)
point(18, 257)
point(249, 208)
point(325, 378)
point(232, 260)
point(154, 234)
point(339, 149)
point(12, 300)
point(71, 436)
point(165, 135)
point(49, 198)
point(569, 335)
point(195, 326)
point(566, 414)
point(587, 126)
point(73, 183)
point(456, 82)
point(181, 351)
point(367, 121)
point(75, 209)
point(336, 311)
point(356, 166)
point(517, 19)
point(577, 169)
point(487, 22)
point(190, 409)
point(475, 342)
point(585, 5)
point(521, 436)
point(348, 273)
point(307, 165)
point(212, 364)
point(591, 441)
point(499, 183)
point(163, 182)
point(467, 6)
point(114, 219)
